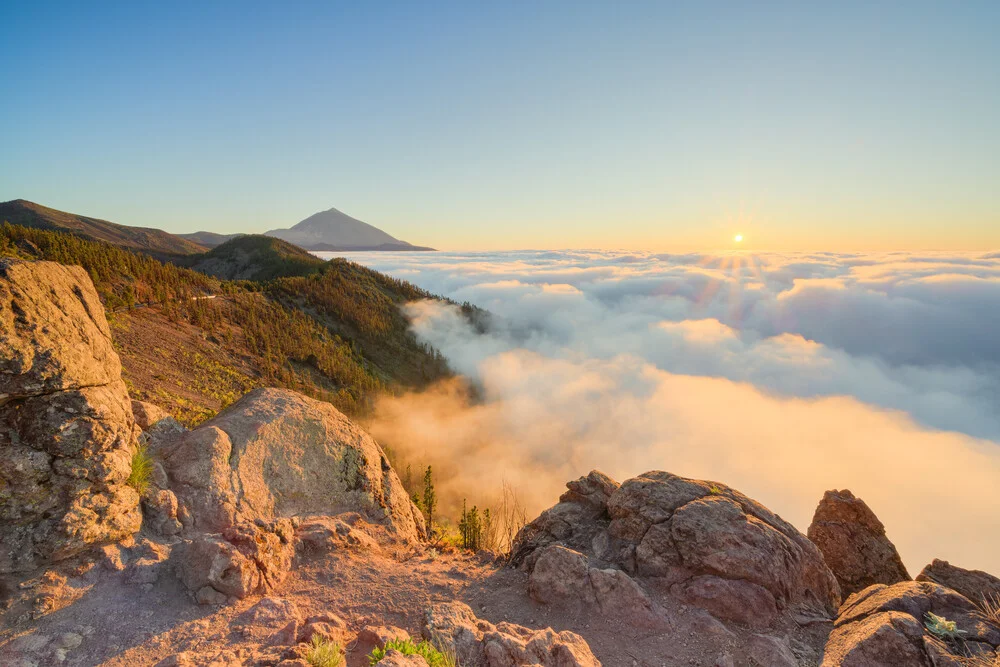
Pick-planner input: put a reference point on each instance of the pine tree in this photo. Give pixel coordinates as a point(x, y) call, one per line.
point(430, 500)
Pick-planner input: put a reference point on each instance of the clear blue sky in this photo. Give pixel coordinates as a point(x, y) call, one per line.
point(539, 124)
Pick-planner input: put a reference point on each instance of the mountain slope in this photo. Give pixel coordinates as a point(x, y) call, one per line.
point(255, 257)
point(30, 214)
point(334, 230)
point(208, 239)
point(193, 343)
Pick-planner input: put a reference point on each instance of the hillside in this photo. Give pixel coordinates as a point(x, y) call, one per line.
point(333, 230)
point(154, 241)
point(255, 257)
point(208, 239)
point(193, 343)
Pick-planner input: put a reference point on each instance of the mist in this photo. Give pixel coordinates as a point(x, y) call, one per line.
point(781, 375)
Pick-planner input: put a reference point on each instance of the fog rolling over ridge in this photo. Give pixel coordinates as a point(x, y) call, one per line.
point(783, 375)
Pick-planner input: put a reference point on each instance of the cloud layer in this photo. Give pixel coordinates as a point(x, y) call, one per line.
point(783, 375)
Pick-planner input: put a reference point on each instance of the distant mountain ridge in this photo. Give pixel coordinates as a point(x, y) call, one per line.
point(154, 241)
point(329, 231)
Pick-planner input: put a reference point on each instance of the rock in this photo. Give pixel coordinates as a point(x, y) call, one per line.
point(563, 577)
point(245, 559)
point(147, 414)
point(705, 543)
point(887, 625)
point(66, 428)
point(394, 658)
point(770, 651)
point(376, 636)
point(286, 636)
point(580, 516)
point(321, 535)
point(478, 643)
point(973, 584)
point(276, 453)
point(854, 543)
point(330, 631)
point(729, 599)
point(275, 618)
point(160, 512)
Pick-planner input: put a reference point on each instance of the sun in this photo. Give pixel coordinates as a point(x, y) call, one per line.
point(738, 238)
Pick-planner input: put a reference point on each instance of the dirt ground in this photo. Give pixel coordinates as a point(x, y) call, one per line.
point(121, 624)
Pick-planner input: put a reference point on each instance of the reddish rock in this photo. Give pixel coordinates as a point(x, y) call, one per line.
point(973, 584)
point(854, 543)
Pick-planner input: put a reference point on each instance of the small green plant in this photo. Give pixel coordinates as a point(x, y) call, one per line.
point(142, 470)
point(324, 653)
point(426, 650)
point(939, 626)
point(715, 490)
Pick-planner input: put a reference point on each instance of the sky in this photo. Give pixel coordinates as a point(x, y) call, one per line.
point(783, 375)
point(653, 126)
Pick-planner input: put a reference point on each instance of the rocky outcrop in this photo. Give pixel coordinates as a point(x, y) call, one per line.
point(147, 415)
point(245, 559)
point(563, 576)
point(67, 432)
point(478, 643)
point(892, 626)
point(854, 543)
point(683, 541)
point(275, 453)
point(976, 585)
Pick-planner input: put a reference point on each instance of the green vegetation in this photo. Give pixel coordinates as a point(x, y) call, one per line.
point(142, 470)
point(940, 626)
point(256, 257)
point(477, 530)
point(429, 503)
point(426, 650)
point(323, 652)
point(330, 330)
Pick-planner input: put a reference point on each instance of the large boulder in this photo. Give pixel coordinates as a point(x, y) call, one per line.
point(704, 542)
point(67, 433)
point(893, 626)
point(478, 643)
point(976, 585)
point(275, 453)
point(854, 543)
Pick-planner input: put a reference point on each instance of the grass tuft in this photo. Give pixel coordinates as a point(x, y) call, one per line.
point(142, 470)
point(324, 653)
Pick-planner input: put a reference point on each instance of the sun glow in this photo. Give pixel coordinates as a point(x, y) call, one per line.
point(738, 238)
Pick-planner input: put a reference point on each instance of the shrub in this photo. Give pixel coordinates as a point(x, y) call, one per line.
point(142, 470)
point(324, 653)
point(940, 626)
point(426, 650)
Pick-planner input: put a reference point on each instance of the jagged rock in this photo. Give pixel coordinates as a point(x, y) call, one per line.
point(268, 616)
point(854, 543)
point(709, 545)
point(276, 453)
point(244, 559)
point(580, 517)
point(321, 535)
point(160, 512)
point(973, 584)
point(562, 576)
point(478, 643)
point(66, 428)
point(886, 625)
point(376, 636)
point(146, 414)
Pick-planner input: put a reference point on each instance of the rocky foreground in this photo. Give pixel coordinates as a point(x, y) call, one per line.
point(280, 525)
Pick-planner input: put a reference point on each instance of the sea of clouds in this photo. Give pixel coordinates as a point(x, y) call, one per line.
point(783, 375)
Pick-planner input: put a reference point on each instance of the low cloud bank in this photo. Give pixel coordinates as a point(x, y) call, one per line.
point(781, 375)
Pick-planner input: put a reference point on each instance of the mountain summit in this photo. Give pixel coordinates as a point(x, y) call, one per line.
point(335, 230)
